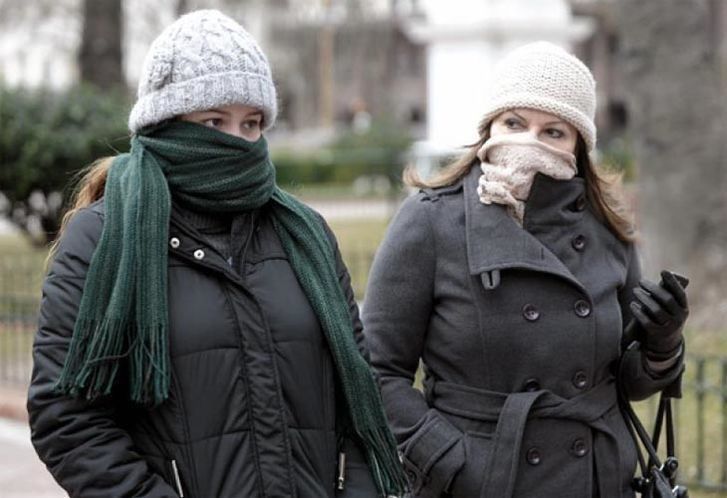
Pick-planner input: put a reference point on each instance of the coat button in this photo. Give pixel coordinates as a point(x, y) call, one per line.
point(174, 242)
point(579, 448)
point(531, 385)
point(199, 254)
point(582, 308)
point(580, 203)
point(533, 456)
point(580, 379)
point(530, 312)
point(578, 242)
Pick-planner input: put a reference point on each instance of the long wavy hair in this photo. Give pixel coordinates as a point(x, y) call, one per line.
point(604, 188)
point(91, 182)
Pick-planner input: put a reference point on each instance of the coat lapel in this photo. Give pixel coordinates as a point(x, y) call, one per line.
point(496, 242)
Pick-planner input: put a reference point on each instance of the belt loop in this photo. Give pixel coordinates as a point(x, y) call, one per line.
point(490, 279)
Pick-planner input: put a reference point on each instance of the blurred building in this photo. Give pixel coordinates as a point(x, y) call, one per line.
point(464, 39)
point(424, 64)
point(335, 62)
point(347, 66)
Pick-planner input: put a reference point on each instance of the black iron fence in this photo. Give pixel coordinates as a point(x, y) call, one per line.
point(21, 274)
point(701, 415)
point(702, 423)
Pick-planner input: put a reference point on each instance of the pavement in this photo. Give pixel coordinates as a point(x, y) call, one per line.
point(22, 474)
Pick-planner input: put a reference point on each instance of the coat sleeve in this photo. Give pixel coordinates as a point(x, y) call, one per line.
point(399, 303)
point(79, 441)
point(640, 382)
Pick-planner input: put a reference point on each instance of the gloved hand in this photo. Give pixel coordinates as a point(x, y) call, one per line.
point(661, 310)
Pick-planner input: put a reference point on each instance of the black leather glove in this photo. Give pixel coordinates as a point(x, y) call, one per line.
point(661, 310)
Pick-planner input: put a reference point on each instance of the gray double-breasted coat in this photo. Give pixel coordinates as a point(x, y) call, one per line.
point(518, 330)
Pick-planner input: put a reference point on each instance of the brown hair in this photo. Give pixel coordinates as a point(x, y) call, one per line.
point(90, 188)
point(604, 188)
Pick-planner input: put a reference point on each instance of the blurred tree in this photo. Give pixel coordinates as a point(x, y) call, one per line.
point(678, 123)
point(45, 139)
point(100, 55)
point(182, 7)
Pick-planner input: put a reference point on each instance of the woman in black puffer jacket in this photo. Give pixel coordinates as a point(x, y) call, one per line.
point(198, 333)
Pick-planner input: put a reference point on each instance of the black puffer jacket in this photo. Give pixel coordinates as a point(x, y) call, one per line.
point(252, 407)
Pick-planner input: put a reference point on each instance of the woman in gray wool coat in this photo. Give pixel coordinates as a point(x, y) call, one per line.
point(511, 276)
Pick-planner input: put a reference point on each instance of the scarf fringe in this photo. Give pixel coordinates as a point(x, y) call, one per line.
point(384, 461)
point(92, 362)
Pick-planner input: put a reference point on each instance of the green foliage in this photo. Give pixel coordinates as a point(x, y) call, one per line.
point(378, 151)
point(46, 136)
point(618, 156)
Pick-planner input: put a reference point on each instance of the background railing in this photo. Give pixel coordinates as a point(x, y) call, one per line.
point(21, 274)
point(701, 415)
point(702, 423)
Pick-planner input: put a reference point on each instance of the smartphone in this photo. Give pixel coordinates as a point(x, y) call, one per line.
point(684, 281)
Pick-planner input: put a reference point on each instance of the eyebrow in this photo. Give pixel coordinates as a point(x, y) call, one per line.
point(226, 113)
point(557, 121)
point(218, 111)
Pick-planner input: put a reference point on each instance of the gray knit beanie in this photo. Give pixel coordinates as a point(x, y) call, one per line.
point(544, 77)
point(202, 61)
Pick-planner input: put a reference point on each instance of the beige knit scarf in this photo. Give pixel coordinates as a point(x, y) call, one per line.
point(509, 163)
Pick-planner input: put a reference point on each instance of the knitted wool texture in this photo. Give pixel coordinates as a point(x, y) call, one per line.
point(544, 77)
point(123, 314)
point(509, 163)
point(202, 61)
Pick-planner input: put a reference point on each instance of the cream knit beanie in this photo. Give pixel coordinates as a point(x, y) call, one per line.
point(201, 61)
point(544, 77)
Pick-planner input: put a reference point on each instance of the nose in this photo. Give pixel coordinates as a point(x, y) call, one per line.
point(233, 130)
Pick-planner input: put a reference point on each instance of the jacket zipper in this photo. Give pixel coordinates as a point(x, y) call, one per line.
point(186, 449)
point(177, 480)
point(341, 471)
point(240, 266)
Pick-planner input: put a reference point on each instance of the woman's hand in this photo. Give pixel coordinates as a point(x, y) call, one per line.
point(661, 311)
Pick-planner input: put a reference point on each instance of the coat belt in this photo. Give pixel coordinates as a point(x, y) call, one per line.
point(511, 412)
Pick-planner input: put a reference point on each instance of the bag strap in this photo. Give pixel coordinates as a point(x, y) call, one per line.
point(641, 436)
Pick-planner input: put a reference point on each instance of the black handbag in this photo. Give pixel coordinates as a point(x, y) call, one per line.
point(657, 479)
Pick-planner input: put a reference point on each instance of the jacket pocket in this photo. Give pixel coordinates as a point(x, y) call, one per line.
point(467, 483)
point(175, 478)
point(164, 466)
point(357, 479)
point(433, 455)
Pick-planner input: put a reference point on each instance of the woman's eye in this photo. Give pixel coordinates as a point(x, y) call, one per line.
point(212, 122)
point(512, 123)
point(252, 124)
point(554, 133)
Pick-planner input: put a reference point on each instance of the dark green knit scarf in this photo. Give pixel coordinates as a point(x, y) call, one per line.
point(123, 318)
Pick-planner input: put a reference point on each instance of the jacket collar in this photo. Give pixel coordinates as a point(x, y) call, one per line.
point(494, 239)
